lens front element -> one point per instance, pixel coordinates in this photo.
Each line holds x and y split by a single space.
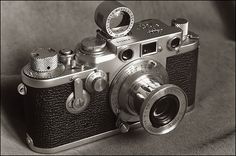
163 109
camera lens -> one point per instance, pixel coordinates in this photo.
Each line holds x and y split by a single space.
164 110
126 55
143 94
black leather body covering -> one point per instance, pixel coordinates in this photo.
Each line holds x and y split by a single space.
49 124
182 71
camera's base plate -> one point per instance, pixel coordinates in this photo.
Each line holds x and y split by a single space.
76 143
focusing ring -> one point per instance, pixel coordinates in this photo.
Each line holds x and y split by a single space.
107 11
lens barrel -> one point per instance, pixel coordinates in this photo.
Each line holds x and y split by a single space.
160 107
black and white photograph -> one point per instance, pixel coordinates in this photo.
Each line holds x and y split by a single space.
118 77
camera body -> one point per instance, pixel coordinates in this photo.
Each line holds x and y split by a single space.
136 74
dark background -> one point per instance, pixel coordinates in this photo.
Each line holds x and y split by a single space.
209 129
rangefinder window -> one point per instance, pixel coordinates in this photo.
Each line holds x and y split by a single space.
149 48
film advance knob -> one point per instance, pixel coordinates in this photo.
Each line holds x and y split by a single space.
182 24
96 81
43 60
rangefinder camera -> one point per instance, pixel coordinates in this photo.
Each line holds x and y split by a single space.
127 76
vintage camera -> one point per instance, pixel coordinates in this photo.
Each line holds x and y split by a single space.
131 74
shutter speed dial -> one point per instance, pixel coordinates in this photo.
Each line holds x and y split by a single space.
96 81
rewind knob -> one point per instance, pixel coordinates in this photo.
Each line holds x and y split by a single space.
43 59
182 24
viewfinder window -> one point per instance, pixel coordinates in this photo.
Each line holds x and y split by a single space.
149 48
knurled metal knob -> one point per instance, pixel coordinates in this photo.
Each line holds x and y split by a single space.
182 24
43 60
66 56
